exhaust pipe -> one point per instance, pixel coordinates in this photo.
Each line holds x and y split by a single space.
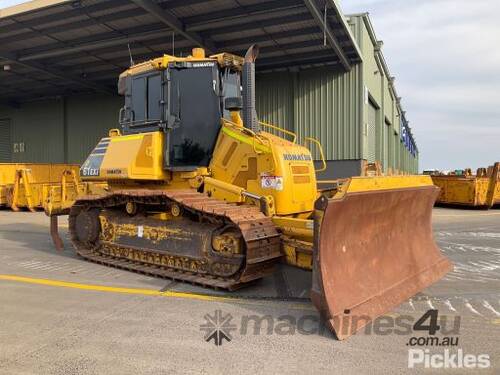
249 112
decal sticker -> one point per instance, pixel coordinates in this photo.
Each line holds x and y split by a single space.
203 64
272 182
115 172
92 166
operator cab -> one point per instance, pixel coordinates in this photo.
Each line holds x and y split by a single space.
184 98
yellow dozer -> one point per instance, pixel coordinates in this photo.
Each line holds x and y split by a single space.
198 193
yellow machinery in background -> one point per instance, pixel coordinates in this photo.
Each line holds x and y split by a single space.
481 190
37 186
194 192
27 185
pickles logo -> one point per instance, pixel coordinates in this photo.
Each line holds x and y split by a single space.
218 327
431 323
448 359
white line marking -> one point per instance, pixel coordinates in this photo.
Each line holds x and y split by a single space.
469 306
34 263
491 308
430 304
450 306
31 262
411 304
40 267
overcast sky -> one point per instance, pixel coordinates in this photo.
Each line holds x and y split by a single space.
446 58
8 3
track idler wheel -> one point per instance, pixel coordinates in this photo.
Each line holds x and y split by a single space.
87 226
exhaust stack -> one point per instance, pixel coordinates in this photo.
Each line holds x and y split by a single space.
249 113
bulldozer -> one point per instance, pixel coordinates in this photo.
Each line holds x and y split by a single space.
199 190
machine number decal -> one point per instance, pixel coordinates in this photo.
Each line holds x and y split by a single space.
272 182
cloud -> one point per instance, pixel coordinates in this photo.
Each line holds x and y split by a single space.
444 55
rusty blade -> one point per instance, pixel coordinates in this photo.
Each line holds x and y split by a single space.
373 250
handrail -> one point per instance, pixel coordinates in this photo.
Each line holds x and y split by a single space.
262 140
322 155
277 128
249 132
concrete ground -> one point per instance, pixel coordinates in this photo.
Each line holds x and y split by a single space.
62 315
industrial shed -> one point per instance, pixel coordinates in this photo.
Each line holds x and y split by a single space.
321 73
357 115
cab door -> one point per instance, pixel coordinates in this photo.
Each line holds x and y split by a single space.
195 102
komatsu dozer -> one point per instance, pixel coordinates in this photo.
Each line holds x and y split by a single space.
199 190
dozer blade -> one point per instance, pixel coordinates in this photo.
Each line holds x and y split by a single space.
373 250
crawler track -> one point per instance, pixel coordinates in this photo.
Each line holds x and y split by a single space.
261 239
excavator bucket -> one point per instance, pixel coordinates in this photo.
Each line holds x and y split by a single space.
374 249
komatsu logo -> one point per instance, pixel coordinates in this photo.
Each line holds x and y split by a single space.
115 171
203 64
297 157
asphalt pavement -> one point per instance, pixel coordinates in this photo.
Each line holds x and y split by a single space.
62 315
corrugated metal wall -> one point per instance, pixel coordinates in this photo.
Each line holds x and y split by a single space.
5 141
326 107
39 127
60 130
84 128
275 99
316 103
373 136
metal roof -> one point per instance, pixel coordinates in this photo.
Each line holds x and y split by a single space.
58 47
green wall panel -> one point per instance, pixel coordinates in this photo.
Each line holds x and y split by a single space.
319 103
39 126
275 99
88 120
327 108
